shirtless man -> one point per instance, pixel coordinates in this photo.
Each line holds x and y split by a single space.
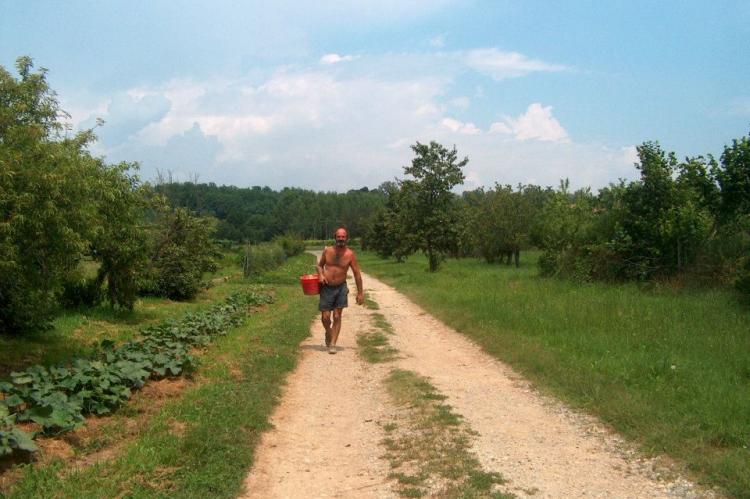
332 268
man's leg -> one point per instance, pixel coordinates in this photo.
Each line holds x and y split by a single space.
325 318
336 329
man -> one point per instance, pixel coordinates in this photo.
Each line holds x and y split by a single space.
332 268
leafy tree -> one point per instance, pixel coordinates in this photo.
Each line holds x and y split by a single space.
182 249
47 198
734 179
384 233
500 222
427 207
120 240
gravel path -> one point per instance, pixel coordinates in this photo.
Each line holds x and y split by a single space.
328 426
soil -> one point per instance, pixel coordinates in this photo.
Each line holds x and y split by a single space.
326 440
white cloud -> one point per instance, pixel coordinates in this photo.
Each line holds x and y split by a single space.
459 103
459 127
437 41
285 127
501 65
630 155
127 113
536 123
335 58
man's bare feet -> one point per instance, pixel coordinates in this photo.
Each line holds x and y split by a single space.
332 349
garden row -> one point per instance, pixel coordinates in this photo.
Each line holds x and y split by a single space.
57 399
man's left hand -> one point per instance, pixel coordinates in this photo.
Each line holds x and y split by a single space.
360 297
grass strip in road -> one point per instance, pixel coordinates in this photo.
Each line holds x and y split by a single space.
669 370
428 445
373 346
201 444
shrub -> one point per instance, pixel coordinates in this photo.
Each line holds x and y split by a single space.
262 257
743 281
182 252
79 291
292 245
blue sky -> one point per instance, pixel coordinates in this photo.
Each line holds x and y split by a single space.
329 95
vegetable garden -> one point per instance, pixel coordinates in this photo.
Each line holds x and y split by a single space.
57 399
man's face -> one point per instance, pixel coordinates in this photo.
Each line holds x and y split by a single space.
340 238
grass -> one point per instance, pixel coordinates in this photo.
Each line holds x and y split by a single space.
670 370
429 448
201 443
373 346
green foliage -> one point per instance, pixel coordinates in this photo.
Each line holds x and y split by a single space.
427 208
291 244
679 218
79 290
734 179
120 240
421 213
181 251
260 258
259 214
743 279
223 416
13 439
44 180
669 370
58 398
57 203
497 223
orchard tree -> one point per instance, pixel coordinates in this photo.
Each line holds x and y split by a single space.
427 209
45 188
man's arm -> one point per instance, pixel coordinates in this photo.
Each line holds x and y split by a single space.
358 280
320 266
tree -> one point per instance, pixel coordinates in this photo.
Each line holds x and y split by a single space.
427 207
48 186
500 223
120 240
182 249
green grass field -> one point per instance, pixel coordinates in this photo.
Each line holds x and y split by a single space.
201 442
669 370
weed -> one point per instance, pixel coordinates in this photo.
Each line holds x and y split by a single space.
431 445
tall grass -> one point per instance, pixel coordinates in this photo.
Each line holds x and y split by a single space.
669 370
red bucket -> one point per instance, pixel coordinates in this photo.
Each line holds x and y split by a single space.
310 284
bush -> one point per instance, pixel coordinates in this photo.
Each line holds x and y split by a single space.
23 306
292 245
262 257
743 281
79 291
182 252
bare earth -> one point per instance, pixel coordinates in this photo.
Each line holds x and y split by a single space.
327 429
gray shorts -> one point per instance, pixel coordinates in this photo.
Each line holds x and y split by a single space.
333 297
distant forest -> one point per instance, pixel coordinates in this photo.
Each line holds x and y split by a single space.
256 214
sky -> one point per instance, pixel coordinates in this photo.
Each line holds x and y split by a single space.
330 95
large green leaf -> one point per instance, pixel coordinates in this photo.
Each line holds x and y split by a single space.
23 440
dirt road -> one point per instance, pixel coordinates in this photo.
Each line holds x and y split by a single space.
327 440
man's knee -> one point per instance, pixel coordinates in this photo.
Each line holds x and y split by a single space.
337 315
326 317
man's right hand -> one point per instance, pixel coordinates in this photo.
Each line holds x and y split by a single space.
323 279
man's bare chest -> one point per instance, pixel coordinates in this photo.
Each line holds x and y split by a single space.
335 259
